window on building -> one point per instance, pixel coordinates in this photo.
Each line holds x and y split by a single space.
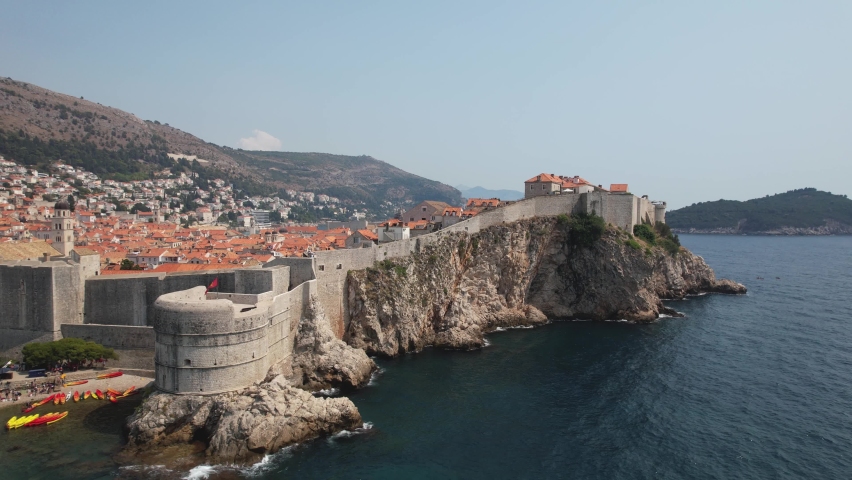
321 268
187 362
339 266
424 208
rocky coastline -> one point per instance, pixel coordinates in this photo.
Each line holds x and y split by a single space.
447 295
515 274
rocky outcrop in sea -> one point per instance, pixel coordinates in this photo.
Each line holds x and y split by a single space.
266 417
236 426
458 289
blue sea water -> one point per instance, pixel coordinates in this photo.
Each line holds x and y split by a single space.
753 387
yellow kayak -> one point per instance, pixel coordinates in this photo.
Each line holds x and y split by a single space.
16 422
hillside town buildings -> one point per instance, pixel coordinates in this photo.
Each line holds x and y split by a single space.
169 223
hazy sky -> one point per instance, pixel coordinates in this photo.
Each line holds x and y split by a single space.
685 101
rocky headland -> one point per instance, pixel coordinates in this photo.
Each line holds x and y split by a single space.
523 273
449 295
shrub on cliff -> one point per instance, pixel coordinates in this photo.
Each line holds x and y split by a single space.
76 350
664 231
584 229
670 246
645 232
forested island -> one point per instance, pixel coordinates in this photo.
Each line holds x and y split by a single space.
805 211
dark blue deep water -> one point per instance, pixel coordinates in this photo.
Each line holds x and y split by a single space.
752 387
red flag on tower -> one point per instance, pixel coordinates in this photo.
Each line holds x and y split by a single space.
213 284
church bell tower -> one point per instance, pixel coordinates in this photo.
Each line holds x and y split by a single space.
62 233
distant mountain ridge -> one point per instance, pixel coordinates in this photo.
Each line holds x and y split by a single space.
39 126
806 211
480 192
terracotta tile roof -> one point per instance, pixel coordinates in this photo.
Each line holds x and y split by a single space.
191 267
26 251
545 178
368 234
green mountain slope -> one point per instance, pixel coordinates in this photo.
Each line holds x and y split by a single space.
39 126
803 209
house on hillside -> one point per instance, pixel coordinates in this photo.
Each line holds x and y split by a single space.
450 216
362 239
426 210
393 230
155 257
552 184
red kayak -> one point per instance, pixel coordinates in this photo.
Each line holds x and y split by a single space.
76 397
99 395
79 382
113 399
110 375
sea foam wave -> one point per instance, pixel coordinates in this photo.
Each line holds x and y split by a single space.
374 376
327 392
365 427
200 472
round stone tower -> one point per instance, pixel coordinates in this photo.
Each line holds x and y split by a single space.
659 212
205 346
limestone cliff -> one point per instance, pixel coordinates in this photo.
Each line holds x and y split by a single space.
463 286
321 360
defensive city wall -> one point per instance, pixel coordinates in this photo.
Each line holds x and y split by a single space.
43 301
205 343
329 268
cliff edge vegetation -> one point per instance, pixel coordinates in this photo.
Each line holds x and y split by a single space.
806 211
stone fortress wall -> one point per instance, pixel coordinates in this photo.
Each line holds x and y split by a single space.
36 298
330 268
208 343
226 340
43 301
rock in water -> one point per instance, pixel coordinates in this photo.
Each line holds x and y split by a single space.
238 426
